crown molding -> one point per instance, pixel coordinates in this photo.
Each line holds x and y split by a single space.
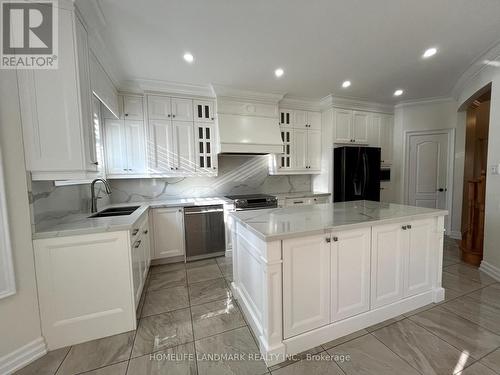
141 86
434 100
295 102
330 101
231 93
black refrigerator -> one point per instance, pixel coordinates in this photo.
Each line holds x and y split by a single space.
356 174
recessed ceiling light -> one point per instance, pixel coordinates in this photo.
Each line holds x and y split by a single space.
398 92
346 84
188 57
279 72
429 52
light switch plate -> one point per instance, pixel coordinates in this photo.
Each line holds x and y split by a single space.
495 169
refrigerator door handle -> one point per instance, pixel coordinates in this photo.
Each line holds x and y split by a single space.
365 174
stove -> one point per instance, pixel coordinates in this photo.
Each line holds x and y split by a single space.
253 201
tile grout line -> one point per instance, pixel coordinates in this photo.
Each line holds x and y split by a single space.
192 325
65 356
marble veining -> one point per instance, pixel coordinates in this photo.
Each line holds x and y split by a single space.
281 223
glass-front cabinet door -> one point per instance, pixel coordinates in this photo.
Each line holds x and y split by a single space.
205 147
285 159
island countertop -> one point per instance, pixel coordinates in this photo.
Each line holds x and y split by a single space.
282 223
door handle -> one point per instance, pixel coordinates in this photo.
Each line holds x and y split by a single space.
442 189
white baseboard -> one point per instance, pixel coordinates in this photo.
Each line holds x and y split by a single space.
455 234
22 356
490 270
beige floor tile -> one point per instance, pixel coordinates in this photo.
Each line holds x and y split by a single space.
321 363
343 339
298 357
46 365
477 369
165 280
117 369
420 309
469 272
492 360
459 283
385 323
165 300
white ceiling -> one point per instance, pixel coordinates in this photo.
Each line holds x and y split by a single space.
377 44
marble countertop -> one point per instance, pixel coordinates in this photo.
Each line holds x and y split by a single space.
282 223
81 223
301 194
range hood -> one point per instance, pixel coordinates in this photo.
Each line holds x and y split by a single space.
248 122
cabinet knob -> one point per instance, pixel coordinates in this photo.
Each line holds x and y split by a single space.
212 118
404 227
145 232
335 239
126 114
95 162
328 239
137 244
173 116
168 115
408 226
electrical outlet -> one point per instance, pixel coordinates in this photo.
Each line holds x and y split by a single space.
495 169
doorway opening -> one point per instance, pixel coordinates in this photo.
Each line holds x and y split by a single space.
475 168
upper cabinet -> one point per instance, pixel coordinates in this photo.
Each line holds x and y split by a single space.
56 109
204 111
301 136
380 131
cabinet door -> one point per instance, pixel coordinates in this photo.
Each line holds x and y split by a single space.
116 154
386 191
168 232
182 109
300 119
160 146
350 273
299 149
314 120
203 111
96 146
314 149
206 154
374 130
343 126
389 244
360 126
183 156
285 159
137 270
306 284
386 140
136 147
133 108
159 107
421 259
286 117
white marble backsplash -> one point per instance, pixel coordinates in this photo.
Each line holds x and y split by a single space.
237 175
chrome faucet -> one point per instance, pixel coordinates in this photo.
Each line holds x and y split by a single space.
93 198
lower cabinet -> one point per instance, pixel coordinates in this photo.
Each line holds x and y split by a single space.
168 232
141 257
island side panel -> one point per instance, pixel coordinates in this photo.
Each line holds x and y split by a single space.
257 284
438 289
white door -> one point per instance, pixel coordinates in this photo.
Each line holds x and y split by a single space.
160 146
386 140
159 107
203 111
428 170
389 245
300 149
314 149
168 232
360 126
182 109
184 159
116 150
136 148
300 119
314 120
350 273
133 108
306 284
343 126
421 259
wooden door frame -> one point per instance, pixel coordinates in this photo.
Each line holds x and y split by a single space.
451 161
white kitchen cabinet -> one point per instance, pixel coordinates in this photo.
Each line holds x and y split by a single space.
182 109
56 110
133 107
306 119
183 156
360 125
314 150
284 160
350 273
386 139
314 120
206 148
137 256
386 192
299 119
300 157
168 232
286 117
136 147
306 294
204 111
343 126
140 255
160 146
374 130
159 107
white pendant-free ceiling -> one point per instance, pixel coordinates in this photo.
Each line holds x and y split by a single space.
376 44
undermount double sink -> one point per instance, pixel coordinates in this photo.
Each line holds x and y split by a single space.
115 211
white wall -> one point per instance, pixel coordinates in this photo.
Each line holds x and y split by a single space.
431 115
19 315
489 74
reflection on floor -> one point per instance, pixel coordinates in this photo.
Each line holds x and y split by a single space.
188 317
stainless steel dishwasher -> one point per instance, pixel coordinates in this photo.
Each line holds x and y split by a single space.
205 231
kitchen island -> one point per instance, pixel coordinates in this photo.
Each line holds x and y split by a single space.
304 276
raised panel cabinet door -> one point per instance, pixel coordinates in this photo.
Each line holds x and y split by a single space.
421 256
343 126
386 139
314 120
286 117
136 146
299 154
300 119
203 111
184 158
133 108
314 149
306 284
136 270
159 107
205 147
182 109
374 130
160 146
168 232
360 126
116 149
389 248
350 273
